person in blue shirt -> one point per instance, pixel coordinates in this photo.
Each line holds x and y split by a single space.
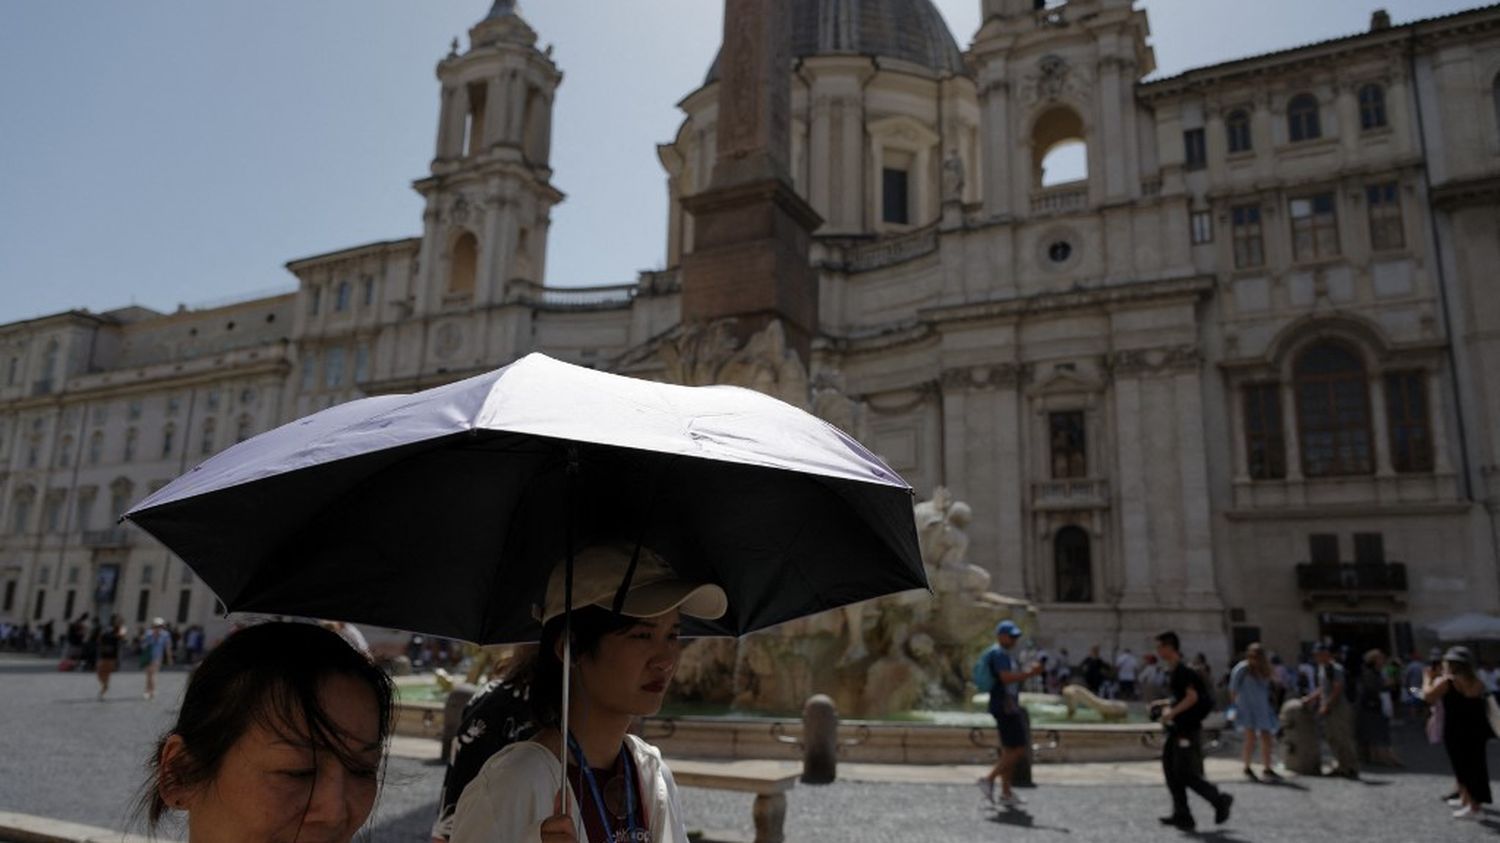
1005 707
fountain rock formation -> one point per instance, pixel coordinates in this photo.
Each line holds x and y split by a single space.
906 651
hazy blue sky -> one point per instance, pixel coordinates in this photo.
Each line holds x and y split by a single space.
166 151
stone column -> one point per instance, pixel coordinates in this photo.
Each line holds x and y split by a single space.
1135 522
1010 521
515 107
1106 157
1289 433
995 140
819 152
1197 517
458 111
1379 429
494 122
1241 447
1437 424
445 124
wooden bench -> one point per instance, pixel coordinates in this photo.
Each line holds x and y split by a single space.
768 780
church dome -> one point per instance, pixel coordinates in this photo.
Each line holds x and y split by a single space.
909 30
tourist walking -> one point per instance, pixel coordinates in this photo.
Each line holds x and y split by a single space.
1466 728
156 648
1092 669
1251 693
1125 669
1182 742
107 652
1373 725
1005 707
281 736
621 665
1330 699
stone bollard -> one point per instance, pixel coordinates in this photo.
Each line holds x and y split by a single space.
1299 739
453 715
820 740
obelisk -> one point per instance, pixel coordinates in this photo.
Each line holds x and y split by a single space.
749 260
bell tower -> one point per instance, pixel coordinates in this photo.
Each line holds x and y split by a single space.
490 194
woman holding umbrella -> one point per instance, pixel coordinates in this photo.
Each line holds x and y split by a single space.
624 651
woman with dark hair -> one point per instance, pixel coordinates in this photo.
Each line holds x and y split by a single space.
622 663
1466 729
107 652
281 736
1372 726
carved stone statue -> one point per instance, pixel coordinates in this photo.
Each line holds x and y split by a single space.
953 178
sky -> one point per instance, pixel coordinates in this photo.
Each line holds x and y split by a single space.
166 152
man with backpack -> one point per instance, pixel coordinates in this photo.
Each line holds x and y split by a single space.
997 672
1182 746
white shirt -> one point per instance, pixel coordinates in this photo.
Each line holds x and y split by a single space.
515 789
1125 667
1491 678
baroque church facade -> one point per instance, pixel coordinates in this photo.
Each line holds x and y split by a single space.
1231 379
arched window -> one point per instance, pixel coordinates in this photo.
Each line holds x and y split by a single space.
1333 411
463 265
1371 107
1237 126
1059 152
1075 572
1302 118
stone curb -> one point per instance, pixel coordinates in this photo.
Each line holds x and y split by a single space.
26 828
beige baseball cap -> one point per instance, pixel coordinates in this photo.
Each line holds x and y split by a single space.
598 571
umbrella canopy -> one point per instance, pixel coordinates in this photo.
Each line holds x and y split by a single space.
444 511
1470 626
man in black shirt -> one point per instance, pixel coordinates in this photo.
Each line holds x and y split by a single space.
1182 748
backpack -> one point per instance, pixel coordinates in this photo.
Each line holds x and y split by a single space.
984 674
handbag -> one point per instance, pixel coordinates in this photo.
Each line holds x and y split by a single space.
1435 723
1492 713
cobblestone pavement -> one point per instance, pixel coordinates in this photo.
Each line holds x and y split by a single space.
64 754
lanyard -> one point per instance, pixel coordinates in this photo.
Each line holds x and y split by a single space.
588 776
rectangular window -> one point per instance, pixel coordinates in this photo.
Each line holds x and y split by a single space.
1249 248
333 370
1265 449
1069 445
314 300
212 399
1406 416
143 605
1195 150
362 364
10 597
1315 231
1238 130
309 372
1384 202
184 601
1202 226
85 511
133 410
1369 549
52 513
68 603
41 603
367 291
895 196
1323 548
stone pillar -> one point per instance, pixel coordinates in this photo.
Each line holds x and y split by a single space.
1289 433
995 140
458 112
819 152
1379 429
1197 518
1107 157
515 106
494 122
445 124
1437 424
1135 524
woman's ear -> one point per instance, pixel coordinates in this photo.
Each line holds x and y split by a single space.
168 784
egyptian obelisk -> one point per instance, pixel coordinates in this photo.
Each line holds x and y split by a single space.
749 262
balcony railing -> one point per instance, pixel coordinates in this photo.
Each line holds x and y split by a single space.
1070 494
1351 577
112 537
1060 200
